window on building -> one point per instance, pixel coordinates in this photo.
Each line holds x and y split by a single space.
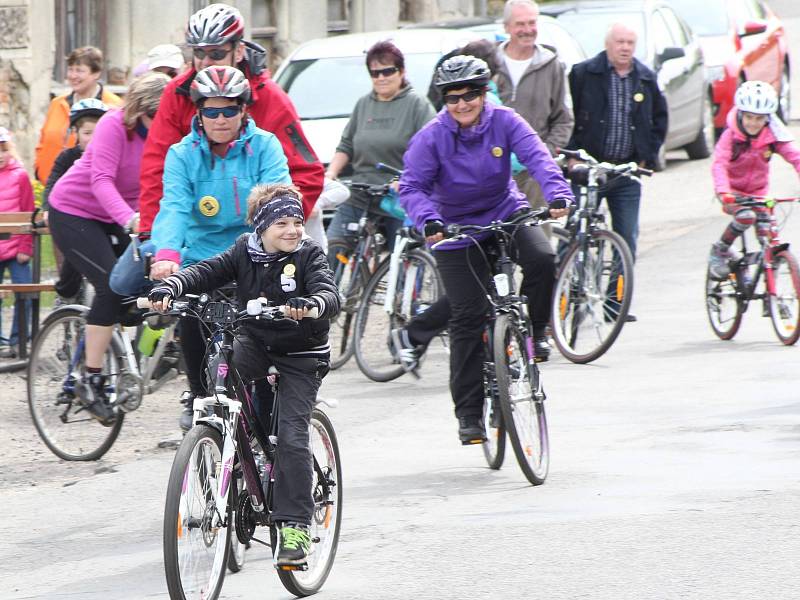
338 16
78 23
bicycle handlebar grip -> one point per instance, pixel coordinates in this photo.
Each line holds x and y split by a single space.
143 303
643 171
389 169
570 153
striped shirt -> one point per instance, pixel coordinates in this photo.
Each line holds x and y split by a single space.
619 137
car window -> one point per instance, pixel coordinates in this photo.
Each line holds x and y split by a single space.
706 17
569 51
590 28
330 87
662 37
678 34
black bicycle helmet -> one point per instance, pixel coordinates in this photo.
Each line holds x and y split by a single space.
460 71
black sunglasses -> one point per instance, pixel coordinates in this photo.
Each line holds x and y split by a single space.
466 97
215 54
225 111
387 72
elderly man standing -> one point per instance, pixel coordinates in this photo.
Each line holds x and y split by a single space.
620 116
531 80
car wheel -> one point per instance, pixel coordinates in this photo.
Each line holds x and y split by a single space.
785 96
661 159
703 144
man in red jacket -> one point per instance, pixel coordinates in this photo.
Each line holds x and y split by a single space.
215 36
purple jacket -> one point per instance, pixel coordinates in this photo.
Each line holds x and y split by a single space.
103 184
464 175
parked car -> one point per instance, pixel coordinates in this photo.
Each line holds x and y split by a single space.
742 40
550 33
325 77
667 45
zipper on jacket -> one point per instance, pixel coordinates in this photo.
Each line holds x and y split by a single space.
236 195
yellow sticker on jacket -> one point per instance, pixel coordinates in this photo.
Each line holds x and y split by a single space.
638 97
497 151
767 154
209 206
289 270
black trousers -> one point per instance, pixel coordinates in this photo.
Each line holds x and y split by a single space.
300 379
92 247
465 274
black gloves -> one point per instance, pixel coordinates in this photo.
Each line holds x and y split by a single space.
433 227
299 303
162 292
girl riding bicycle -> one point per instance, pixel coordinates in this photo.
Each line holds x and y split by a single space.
741 165
274 261
458 170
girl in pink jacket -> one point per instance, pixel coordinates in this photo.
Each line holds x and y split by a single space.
741 164
16 195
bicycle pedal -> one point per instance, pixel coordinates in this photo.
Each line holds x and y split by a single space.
303 567
541 359
473 442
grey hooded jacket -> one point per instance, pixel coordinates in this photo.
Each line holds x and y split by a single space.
540 96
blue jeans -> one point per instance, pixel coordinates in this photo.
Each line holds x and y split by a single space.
19 274
623 196
128 277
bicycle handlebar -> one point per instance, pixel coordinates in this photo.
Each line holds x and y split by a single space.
389 169
256 308
456 231
371 189
627 169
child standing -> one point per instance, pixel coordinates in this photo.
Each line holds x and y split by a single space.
741 164
83 117
274 261
16 195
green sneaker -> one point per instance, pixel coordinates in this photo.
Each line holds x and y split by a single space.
293 544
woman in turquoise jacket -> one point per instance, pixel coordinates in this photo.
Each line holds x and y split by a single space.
207 178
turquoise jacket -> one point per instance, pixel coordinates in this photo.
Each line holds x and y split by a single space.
204 208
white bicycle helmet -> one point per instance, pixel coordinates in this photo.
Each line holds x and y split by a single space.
220 82
756 97
90 107
215 25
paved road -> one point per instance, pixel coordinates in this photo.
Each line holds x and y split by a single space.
674 466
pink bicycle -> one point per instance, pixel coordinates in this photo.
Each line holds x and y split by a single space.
727 300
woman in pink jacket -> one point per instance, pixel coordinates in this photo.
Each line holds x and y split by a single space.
16 195
741 164
91 207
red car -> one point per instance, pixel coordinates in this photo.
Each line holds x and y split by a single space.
742 40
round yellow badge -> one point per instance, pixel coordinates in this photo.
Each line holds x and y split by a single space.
289 270
208 205
638 97
767 154
497 151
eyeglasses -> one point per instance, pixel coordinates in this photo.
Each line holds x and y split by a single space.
387 72
466 97
215 54
226 111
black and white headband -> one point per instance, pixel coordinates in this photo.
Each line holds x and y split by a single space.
278 208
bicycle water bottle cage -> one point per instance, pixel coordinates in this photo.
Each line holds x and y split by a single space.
218 312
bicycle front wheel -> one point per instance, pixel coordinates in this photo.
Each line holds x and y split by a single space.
519 390
494 448
784 304
592 297
417 287
350 281
197 530
327 518
723 307
55 372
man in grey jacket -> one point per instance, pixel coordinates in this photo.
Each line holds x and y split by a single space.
531 80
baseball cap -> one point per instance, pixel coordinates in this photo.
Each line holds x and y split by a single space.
165 55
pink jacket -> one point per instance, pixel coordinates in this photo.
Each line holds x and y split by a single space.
16 195
749 173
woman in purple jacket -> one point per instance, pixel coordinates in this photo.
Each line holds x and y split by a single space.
458 170
92 206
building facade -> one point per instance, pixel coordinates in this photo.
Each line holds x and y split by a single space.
36 36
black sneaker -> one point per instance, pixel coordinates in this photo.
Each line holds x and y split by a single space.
406 352
293 545
96 401
187 416
471 431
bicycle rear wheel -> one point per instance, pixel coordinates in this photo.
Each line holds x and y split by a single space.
784 304
592 297
350 281
327 518
55 371
417 288
196 530
723 307
521 397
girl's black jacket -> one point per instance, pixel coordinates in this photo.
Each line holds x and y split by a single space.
304 272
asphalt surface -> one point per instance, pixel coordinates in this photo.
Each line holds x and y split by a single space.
674 468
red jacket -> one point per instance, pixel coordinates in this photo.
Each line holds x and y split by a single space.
270 108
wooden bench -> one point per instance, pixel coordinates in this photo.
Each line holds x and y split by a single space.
20 223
